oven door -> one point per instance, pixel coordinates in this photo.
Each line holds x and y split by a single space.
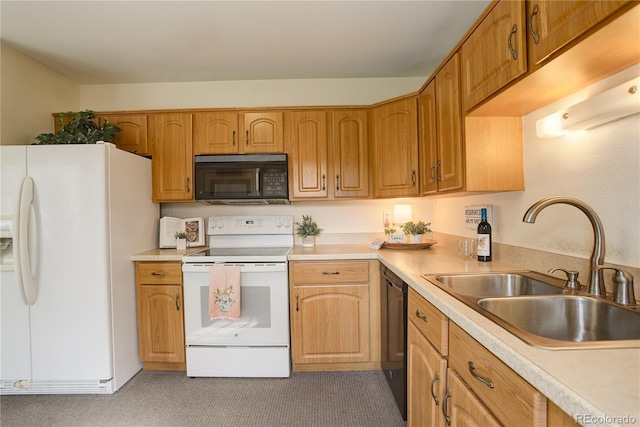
264 303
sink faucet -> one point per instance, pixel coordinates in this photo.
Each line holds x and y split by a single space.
596 280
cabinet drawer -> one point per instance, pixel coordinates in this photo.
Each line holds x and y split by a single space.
159 273
511 399
431 322
314 273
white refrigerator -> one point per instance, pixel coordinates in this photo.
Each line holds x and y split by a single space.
67 300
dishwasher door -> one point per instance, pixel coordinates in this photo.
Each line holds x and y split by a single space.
394 336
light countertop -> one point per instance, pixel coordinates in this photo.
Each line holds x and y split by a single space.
164 254
602 385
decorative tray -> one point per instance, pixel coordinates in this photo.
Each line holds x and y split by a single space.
424 245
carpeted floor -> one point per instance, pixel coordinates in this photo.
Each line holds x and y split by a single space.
331 399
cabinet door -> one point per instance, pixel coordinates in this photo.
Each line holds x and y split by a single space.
449 125
215 133
349 153
133 132
494 54
172 164
553 24
161 323
428 139
307 147
463 407
330 324
262 132
395 148
426 379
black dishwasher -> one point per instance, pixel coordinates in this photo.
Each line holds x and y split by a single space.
394 335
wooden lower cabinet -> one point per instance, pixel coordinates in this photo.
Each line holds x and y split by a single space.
480 389
160 315
426 383
332 306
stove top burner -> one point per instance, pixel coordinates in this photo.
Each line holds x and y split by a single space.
276 254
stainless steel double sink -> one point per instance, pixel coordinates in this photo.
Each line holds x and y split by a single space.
539 310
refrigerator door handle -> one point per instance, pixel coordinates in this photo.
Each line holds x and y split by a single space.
26 202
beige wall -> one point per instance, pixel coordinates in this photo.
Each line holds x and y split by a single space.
29 93
246 93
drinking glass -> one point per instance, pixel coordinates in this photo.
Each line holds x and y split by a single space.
466 248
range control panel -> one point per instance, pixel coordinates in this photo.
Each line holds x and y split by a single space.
239 225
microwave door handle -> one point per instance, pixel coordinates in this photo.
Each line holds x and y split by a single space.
258 193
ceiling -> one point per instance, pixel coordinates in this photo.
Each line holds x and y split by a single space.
117 42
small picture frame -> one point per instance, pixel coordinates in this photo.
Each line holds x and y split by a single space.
195 231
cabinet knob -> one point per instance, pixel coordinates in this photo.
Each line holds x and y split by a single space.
421 316
177 302
159 273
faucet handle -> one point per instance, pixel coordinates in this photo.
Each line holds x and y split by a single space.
572 278
622 285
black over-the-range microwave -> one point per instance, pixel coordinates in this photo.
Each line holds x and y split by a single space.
241 179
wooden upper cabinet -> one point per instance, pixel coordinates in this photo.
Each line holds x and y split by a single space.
395 149
349 153
307 147
230 132
428 138
262 132
494 54
449 119
553 24
172 165
215 133
133 132
440 119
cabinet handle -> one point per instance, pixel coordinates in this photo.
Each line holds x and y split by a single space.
413 177
188 184
514 52
246 139
161 273
233 138
324 179
421 316
536 36
433 382
177 302
330 273
438 170
338 182
433 178
297 300
483 380
446 397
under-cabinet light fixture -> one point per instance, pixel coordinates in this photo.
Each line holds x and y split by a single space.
613 104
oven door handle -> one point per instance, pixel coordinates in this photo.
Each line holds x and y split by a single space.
244 267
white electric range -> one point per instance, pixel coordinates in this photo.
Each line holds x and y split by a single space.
256 344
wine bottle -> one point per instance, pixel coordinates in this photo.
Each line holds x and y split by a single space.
484 238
